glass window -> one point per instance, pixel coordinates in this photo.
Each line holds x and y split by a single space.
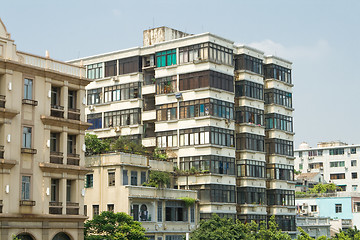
166 58
27 137
95 119
338 208
273 71
95 210
134 178
94 71
353 163
110 68
94 96
122 117
25 188
249 63
354 175
89 180
159 211
125 177
28 89
143 177
130 65
249 89
111 179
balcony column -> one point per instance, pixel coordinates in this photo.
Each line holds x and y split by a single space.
62 194
63 144
64 98
81 95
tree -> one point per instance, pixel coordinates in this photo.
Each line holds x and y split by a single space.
304 235
95 146
158 179
218 228
113 226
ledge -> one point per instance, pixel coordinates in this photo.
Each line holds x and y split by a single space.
52 167
8 113
7 164
61 122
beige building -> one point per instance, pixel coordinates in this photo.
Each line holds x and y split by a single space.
222 112
116 185
41 145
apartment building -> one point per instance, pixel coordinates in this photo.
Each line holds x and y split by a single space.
335 161
116 185
42 127
221 112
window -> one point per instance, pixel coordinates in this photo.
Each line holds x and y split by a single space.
313 208
206 107
69 187
95 210
249 63
125 177
337 164
166 112
122 117
279 97
251 168
166 58
280 122
354 175
122 92
300 154
89 181
206 135
353 150
204 79
249 89
166 139
354 187
337 176
281 197
94 96
336 151
95 119
94 71
249 115
312 153
71 144
279 146
111 179
54 190
27 139
251 195
85 210
134 178
54 142
280 171
142 178
175 211
130 65
353 163
249 141
159 211
166 85
209 163
215 193
273 71
110 207
316 165
55 96
25 188
28 89
285 222
110 68
72 98
338 208
174 237
320 152
301 166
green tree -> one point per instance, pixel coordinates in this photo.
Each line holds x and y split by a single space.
114 226
303 235
95 146
158 179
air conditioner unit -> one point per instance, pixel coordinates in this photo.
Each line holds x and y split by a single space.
117 129
178 95
91 107
115 79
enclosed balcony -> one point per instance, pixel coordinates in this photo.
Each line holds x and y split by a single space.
72 208
73 159
57 111
74 114
56 157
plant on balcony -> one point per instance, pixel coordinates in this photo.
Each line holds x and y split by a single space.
95 146
114 226
160 154
188 201
158 179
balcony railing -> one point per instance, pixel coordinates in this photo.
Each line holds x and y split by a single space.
30 102
55 207
74 114
72 208
27 203
56 157
2 152
73 159
2 101
57 111
28 150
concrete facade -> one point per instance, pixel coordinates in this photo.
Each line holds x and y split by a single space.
41 145
205 102
336 161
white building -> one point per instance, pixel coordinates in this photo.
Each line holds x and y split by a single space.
336 161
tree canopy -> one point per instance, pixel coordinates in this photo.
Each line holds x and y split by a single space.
114 226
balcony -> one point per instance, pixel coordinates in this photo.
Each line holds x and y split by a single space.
73 159
28 150
57 111
56 157
30 102
72 208
27 203
2 101
55 207
1 206
2 152
74 114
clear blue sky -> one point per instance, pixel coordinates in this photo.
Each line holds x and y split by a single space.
320 37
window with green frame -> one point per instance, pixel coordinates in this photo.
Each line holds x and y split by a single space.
166 58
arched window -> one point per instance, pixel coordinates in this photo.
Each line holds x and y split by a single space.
143 213
61 236
25 236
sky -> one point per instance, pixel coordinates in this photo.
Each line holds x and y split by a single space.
320 37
